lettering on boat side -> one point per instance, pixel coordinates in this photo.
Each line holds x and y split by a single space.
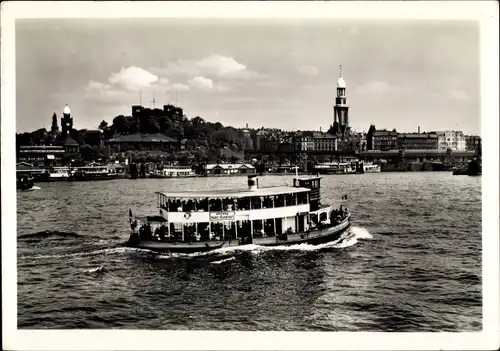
222 216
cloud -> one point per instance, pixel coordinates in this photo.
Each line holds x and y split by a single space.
212 73
221 65
201 83
133 78
309 71
213 66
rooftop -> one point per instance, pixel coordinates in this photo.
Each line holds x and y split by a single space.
229 166
244 192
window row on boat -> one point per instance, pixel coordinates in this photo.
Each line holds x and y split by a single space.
233 204
233 230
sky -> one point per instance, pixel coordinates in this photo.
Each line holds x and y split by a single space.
275 73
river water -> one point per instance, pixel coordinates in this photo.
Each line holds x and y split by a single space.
411 261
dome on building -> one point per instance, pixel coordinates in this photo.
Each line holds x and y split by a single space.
66 110
341 83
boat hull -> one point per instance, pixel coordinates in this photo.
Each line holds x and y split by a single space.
314 237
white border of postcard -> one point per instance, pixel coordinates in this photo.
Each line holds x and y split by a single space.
485 12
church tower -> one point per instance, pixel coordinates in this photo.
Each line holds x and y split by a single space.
55 128
341 110
66 121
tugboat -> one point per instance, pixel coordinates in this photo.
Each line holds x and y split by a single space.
197 221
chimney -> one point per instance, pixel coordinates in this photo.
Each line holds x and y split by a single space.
247 125
320 129
418 129
253 184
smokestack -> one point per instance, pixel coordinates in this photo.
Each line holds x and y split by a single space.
252 183
418 129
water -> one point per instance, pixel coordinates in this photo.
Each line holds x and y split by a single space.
411 262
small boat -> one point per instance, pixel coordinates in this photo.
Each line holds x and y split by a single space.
459 171
59 174
345 165
473 168
197 221
26 184
370 168
173 172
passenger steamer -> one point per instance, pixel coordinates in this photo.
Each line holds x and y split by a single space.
268 216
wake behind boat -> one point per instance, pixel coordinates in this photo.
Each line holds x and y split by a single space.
198 221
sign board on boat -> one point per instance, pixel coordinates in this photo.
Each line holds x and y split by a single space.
222 216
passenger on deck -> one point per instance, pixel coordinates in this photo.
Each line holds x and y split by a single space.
163 232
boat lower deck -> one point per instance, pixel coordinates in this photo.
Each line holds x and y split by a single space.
314 237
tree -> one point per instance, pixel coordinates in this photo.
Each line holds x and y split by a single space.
121 125
197 121
103 125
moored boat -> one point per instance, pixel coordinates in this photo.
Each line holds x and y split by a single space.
26 184
93 171
473 168
196 221
59 173
173 172
370 168
345 166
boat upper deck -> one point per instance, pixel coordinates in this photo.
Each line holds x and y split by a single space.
235 193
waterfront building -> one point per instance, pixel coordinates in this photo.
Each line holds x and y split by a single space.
416 156
229 169
360 142
381 139
340 126
269 143
454 140
472 142
41 155
304 141
324 142
156 142
71 146
417 141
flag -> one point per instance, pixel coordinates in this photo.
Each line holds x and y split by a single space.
344 197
